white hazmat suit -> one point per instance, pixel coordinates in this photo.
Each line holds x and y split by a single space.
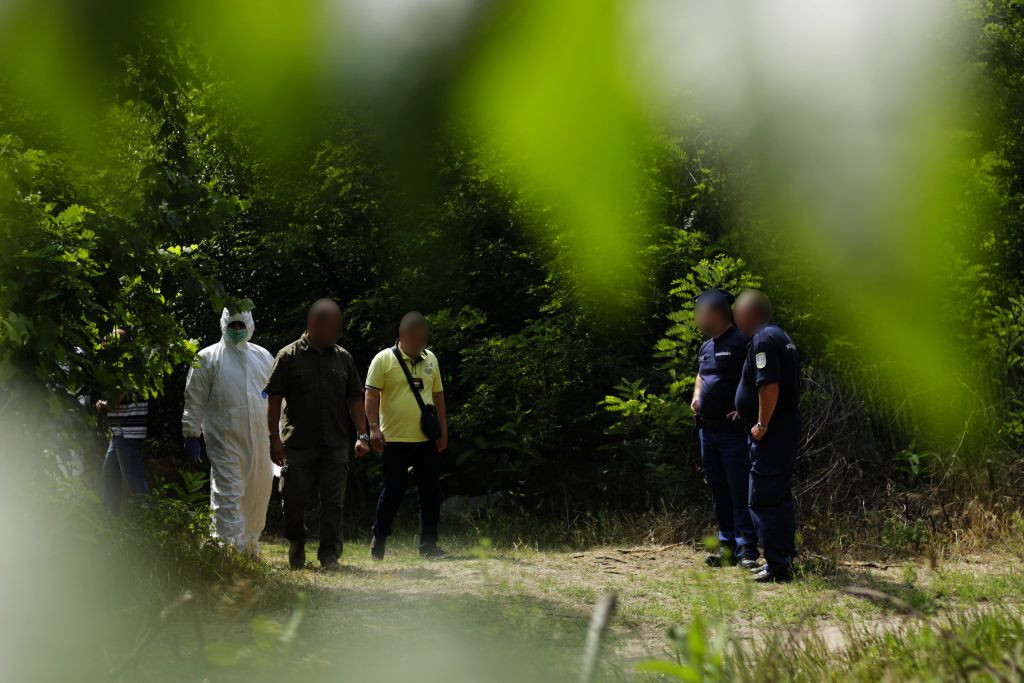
224 401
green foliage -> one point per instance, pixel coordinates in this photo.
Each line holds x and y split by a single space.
100 238
178 516
520 393
159 552
1007 342
160 165
270 643
980 645
167 538
653 423
550 266
700 650
682 339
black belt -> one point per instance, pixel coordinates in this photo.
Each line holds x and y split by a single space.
720 424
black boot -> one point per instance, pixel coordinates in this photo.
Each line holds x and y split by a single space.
767 575
433 552
377 547
725 557
297 555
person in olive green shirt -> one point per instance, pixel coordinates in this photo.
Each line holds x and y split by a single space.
395 430
322 422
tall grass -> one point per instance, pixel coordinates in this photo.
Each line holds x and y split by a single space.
977 645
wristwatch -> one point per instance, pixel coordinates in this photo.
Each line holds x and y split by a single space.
761 427
364 438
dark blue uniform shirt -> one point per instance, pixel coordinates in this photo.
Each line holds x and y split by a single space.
720 362
771 358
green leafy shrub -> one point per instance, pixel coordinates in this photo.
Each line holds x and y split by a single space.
700 653
162 544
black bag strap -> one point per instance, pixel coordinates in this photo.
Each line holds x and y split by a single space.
408 376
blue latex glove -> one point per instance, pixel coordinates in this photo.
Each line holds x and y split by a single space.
192 449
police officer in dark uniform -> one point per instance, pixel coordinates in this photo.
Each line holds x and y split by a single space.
723 441
768 400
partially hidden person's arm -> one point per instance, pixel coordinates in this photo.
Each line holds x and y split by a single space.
276 389
106 406
766 377
437 392
372 414
767 398
358 413
274 415
274 428
695 403
442 416
354 391
374 382
197 394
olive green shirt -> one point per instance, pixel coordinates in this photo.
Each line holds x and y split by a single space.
317 388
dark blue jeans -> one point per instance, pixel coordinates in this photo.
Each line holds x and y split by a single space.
725 457
771 495
425 462
123 462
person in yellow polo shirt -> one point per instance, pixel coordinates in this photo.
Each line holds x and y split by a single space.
396 430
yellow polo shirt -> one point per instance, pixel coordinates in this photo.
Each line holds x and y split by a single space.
399 412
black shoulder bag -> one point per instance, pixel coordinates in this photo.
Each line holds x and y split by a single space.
429 422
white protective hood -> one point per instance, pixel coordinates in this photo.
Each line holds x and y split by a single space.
224 402
226 318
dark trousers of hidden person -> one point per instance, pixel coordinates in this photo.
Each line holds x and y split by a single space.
725 457
771 494
396 460
327 465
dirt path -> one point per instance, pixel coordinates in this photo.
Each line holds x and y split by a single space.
541 601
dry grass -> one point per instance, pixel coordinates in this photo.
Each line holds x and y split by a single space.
551 592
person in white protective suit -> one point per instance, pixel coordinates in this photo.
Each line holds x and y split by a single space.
224 401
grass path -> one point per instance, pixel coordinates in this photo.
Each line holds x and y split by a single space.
540 601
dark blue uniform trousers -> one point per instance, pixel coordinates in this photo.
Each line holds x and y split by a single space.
771 495
725 457
425 462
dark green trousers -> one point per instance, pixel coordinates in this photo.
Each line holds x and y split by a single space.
309 469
